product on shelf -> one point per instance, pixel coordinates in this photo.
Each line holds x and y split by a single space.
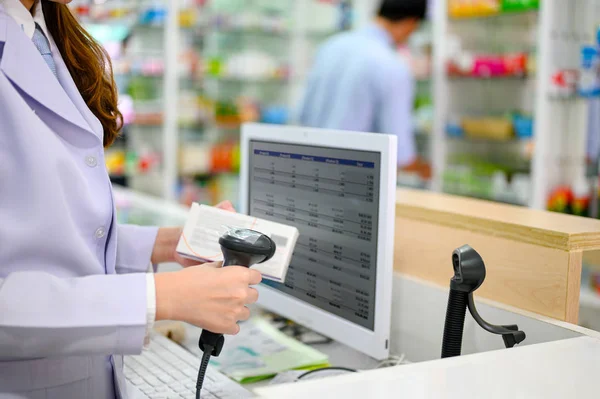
142 88
488 128
120 162
115 162
523 126
488 65
574 200
274 114
585 81
520 5
155 15
594 281
564 82
148 119
204 158
231 114
209 189
472 8
188 17
502 128
589 81
249 22
411 180
487 182
248 65
222 157
480 8
195 159
560 199
423 118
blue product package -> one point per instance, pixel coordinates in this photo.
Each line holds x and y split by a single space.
454 130
589 84
523 126
277 115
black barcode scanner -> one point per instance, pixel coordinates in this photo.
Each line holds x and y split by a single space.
240 247
469 274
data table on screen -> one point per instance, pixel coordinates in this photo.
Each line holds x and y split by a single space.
331 197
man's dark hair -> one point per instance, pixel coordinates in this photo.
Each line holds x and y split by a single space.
397 10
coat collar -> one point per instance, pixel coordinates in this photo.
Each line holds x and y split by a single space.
66 81
24 66
22 16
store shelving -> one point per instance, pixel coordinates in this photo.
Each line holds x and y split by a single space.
545 91
182 91
485 87
255 55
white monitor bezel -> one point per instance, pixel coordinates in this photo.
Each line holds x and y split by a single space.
373 343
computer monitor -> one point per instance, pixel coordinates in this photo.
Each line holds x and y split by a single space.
339 189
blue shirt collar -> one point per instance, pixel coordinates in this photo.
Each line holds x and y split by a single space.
377 32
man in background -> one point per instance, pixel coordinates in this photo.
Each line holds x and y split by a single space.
360 83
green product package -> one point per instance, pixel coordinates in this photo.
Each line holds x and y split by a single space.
519 5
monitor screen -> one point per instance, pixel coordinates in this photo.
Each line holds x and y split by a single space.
332 197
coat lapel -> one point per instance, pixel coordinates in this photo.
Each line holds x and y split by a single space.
66 81
24 66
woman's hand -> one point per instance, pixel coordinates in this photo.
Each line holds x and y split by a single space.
207 296
167 239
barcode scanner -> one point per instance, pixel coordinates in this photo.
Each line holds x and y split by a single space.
240 247
469 275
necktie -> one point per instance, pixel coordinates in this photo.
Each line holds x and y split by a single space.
43 45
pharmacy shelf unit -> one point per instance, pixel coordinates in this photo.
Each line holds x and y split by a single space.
552 37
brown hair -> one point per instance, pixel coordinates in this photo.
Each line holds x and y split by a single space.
89 66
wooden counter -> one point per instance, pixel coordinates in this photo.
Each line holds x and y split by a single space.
533 258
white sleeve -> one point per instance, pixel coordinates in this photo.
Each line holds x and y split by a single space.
151 307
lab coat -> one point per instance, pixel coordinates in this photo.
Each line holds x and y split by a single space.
72 281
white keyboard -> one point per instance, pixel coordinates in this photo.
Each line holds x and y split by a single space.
165 370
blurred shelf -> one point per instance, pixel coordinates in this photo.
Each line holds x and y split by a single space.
128 175
566 97
257 31
511 142
206 174
484 197
495 15
502 78
589 298
412 180
134 25
224 126
322 35
260 31
194 127
147 120
241 80
133 75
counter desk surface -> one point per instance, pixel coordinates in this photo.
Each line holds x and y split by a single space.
556 370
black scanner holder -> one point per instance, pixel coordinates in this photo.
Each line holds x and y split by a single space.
240 247
469 274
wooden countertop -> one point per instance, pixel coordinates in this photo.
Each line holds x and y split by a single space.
537 227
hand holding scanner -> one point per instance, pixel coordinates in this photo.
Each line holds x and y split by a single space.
240 247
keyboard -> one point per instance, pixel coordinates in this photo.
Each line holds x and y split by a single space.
165 370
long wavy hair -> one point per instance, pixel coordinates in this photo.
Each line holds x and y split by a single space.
89 66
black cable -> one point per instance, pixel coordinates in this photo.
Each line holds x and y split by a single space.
327 369
455 323
202 370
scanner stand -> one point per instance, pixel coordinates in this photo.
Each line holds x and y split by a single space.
510 333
